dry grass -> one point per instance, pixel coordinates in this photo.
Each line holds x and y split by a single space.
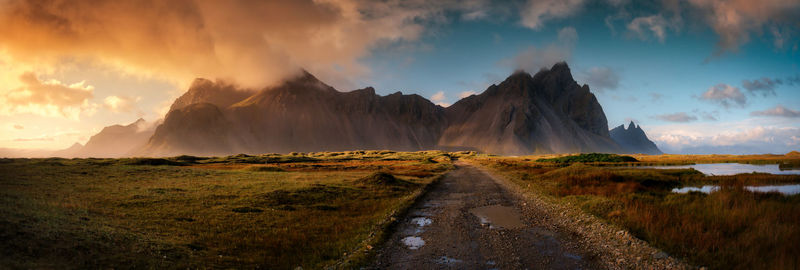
217 212
729 229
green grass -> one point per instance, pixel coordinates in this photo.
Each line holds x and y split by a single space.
729 229
592 157
270 211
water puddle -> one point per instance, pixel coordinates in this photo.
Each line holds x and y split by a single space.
498 216
421 221
446 260
729 168
413 242
783 189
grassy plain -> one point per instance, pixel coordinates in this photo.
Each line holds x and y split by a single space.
729 229
268 211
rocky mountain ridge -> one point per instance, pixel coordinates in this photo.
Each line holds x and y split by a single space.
547 112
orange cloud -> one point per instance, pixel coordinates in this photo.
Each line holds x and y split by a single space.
254 43
49 98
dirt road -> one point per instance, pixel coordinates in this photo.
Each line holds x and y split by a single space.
470 221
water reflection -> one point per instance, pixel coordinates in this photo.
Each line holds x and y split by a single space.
729 168
783 189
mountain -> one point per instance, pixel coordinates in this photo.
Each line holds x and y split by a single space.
219 94
303 114
72 151
112 142
634 140
545 113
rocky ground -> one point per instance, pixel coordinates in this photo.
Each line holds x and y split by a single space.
474 220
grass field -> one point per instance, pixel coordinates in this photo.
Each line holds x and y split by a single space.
729 229
270 211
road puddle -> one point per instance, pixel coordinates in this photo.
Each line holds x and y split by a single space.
421 221
413 242
447 260
498 216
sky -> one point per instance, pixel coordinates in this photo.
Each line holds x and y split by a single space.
699 76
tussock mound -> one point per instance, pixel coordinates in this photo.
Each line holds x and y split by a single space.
382 179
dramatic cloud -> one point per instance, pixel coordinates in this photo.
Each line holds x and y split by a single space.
601 78
735 20
680 117
778 111
466 94
254 43
120 104
725 95
532 58
643 27
536 12
765 86
48 98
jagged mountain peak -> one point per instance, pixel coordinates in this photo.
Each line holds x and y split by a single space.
634 140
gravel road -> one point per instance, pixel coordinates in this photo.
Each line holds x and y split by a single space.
474 220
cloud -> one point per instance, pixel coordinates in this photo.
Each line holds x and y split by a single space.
765 86
644 26
466 94
438 98
536 12
686 139
254 43
35 139
681 117
725 95
735 20
533 58
709 116
601 78
47 98
792 80
120 103
18 126
777 111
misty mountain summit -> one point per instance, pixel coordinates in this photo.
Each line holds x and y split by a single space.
548 112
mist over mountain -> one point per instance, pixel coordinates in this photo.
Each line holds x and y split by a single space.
113 141
525 114
634 140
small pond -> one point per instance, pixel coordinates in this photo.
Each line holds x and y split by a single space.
729 168
783 189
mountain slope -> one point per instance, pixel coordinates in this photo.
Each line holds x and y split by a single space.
545 113
634 140
302 114
112 142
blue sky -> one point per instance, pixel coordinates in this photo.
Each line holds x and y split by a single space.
700 76
660 82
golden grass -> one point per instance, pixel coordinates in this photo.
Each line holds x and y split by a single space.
216 212
729 229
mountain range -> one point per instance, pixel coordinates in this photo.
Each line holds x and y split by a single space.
547 112
634 140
